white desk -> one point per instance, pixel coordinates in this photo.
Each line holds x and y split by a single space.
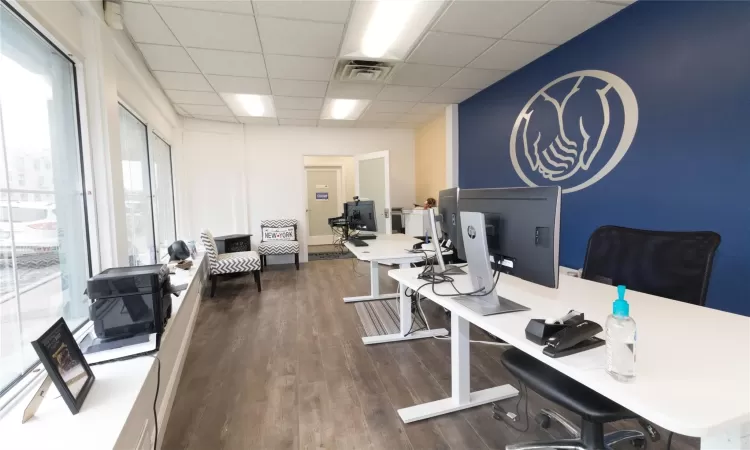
391 249
693 363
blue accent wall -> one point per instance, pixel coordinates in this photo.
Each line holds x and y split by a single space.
688 167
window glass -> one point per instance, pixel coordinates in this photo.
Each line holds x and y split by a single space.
163 196
44 251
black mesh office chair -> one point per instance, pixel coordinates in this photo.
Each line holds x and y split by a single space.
674 265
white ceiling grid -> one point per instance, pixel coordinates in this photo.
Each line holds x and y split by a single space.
290 48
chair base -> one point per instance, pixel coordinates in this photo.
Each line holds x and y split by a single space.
214 279
591 438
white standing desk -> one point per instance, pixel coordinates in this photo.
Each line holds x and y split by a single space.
692 368
391 249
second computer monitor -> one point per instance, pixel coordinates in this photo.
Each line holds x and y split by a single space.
450 220
523 229
360 215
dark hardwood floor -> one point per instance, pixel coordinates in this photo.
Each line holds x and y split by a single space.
286 369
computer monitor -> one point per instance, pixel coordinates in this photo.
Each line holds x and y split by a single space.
360 215
450 220
436 238
522 227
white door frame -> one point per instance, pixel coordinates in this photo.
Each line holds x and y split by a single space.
385 154
340 180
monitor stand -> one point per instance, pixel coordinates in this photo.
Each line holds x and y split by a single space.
449 270
489 304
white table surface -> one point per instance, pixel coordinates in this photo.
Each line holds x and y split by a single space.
390 247
693 363
105 410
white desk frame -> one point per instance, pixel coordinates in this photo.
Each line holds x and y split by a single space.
390 249
689 381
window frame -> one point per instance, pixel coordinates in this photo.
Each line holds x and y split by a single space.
171 182
9 392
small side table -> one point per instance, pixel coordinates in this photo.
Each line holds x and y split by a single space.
232 243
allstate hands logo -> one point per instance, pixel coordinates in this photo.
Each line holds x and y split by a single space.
574 131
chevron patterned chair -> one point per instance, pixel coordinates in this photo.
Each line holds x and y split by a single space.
278 237
228 263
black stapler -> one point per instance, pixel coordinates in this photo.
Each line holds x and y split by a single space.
573 339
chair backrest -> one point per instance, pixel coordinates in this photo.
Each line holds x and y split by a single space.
211 251
669 264
276 223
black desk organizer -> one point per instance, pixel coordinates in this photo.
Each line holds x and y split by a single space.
538 332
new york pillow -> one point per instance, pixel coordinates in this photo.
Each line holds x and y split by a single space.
278 234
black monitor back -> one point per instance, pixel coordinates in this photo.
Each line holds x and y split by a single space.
523 228
450 220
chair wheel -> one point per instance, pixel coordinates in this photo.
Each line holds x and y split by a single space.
638 442
543 420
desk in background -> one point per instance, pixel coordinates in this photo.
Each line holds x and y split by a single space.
693 363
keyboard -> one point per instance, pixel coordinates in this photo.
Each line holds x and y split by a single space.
358 242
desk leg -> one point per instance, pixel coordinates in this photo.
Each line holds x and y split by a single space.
374 287
737 437
461 395
404 323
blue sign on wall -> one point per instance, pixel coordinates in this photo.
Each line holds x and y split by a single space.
643 121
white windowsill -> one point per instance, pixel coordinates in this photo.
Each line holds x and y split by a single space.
106 408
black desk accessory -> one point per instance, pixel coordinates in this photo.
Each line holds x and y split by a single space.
233 243
66 367
357 242
539 330
574 339
367 237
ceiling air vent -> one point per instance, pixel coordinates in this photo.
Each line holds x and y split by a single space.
365 71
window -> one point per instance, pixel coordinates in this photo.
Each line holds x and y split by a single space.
137 183
44 251
163 195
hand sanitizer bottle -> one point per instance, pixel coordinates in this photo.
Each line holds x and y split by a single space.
620 335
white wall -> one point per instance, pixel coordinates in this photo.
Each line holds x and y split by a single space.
273 174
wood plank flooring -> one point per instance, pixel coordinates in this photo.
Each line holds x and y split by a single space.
286 369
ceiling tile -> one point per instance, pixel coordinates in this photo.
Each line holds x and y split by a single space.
297 114
298 122
390 107
299 67
449 49
475 78
374 124
416 118
180 111
267 121
422 75
299 88
404 93
145 26
183 81
371 116
216 118
206 110
172 59
194 98
298 103
215 30
341 89
428 108
449 95
510 55
239 85
337 123
300 38
232 6
485 18
323 11
558 22
220 62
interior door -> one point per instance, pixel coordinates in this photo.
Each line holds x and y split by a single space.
323 186
372 182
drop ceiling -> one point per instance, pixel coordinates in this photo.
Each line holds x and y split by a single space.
290 49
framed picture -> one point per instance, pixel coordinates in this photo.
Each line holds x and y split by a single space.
67 368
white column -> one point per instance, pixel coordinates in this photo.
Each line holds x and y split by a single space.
460 360
451 146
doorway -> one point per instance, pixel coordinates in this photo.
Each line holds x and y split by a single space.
324 200
373 183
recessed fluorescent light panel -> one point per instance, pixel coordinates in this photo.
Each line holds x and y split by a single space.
244 105
387 29
343 108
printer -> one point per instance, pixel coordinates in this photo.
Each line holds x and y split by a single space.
130 301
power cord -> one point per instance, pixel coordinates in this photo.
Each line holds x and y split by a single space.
156 396
499 413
